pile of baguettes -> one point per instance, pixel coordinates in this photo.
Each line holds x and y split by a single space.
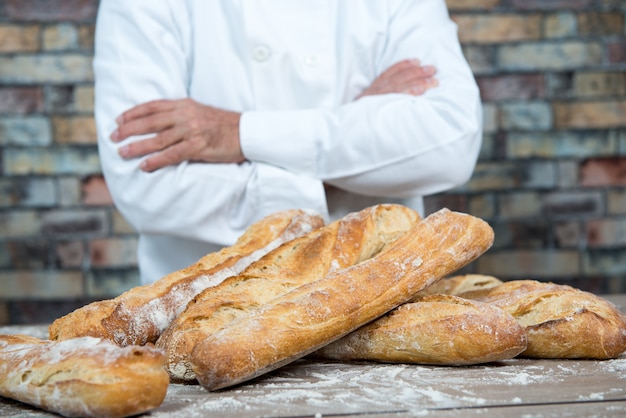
370 286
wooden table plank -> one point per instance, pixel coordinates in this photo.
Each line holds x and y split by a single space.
515 387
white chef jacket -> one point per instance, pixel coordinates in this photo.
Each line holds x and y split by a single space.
293 68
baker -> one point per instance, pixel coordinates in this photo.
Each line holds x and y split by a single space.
212 114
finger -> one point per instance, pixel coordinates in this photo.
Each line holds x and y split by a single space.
172 155
421 87
400 67
414 74
151 145
145 109
405 75
149 124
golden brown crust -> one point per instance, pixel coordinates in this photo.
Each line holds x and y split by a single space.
315 314
85 376
560 321
139 315
456 285
356 237
435 330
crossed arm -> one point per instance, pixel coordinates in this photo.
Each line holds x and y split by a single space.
185 130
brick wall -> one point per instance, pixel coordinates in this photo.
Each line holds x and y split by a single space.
551 177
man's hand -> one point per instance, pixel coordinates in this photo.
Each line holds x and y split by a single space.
407 76
185 131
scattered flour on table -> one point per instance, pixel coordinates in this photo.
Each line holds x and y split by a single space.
616 365
307 387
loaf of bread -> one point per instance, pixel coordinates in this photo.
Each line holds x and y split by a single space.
345 242
560 321
139 315
318 313
434 330
456 285
86 377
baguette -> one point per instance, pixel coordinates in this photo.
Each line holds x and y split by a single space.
440 330
88 377
460 284
347 241
139 315
561 322
315 314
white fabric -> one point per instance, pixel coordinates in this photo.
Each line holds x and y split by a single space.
294 68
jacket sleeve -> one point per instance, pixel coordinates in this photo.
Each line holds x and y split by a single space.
142 54
393 145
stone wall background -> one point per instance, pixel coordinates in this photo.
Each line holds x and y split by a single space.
551 177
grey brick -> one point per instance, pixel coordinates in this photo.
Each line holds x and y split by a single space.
561 144
73 223
35 69
530 116
47 161
40 284
106 283
573 204
549 56
25 131
27 192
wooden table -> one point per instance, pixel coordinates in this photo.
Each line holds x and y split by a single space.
512 388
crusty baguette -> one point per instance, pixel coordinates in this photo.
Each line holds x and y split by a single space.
437 329
456 285
560 321
315 314
139 315
347 241
87 377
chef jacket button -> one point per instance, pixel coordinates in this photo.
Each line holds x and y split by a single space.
261 53
311 60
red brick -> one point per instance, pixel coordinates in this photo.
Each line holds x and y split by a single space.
606 233
617 52
607 171
113 252
21 100
95 192
550 4
507 87
51 10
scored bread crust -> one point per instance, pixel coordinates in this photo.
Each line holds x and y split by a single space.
87 377
437 329
139 315
315 314
560 321
347 241
458 284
